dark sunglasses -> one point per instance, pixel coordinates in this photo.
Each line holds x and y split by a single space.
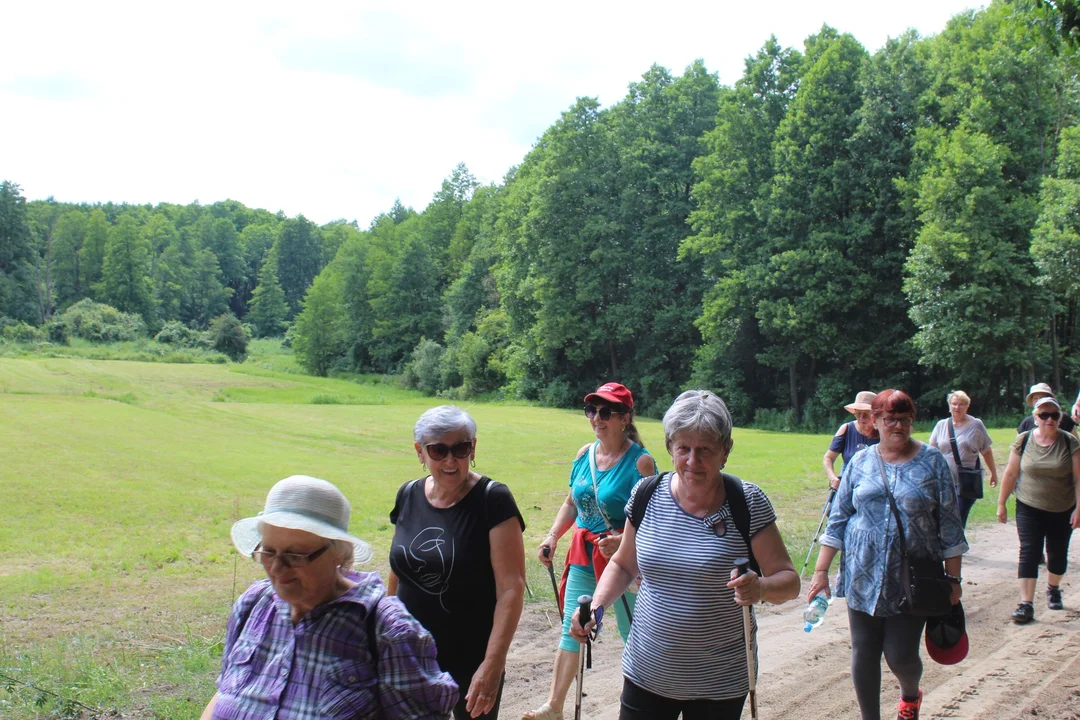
603 411
1049 415
289 560
439 451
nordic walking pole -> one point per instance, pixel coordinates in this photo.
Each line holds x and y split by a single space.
554 585
584 615
743 564
824 517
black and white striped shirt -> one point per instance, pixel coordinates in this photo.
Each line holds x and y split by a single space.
686 641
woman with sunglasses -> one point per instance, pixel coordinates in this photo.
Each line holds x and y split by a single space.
317 640
863 525
603 474
851 437
972 443
458 559
1047 503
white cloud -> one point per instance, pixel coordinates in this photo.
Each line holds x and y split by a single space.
335 109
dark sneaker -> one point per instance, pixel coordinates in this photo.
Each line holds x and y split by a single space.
908 710
1053 598
1024 613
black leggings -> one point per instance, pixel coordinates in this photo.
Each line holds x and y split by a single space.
898 637
640 704
1036 527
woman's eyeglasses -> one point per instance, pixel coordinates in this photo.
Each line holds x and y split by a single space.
603 411
289 560
903 421
1049 415
439 451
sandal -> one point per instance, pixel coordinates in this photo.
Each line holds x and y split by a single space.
544 712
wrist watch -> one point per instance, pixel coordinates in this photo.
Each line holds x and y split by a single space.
954 579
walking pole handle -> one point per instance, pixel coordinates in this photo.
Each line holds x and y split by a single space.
584 609
743 565
546 549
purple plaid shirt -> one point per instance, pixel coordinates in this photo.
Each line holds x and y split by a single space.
322 667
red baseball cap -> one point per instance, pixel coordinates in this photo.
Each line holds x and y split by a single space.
613 392
946 636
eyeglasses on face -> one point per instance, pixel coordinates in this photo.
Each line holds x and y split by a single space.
862 414
603 411
902 421
439 451
289 560
1049 415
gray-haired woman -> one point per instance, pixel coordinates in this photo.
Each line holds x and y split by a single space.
458 559
686 652
316 640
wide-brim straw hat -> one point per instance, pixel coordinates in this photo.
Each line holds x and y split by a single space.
862 401
1038 388
303 503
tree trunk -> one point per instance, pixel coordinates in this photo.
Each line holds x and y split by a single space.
1054 353
793 380
614 362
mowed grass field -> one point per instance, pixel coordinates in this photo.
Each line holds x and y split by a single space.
120 480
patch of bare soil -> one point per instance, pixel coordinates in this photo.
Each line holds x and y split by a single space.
1011 671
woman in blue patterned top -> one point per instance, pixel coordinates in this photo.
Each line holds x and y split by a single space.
604 473
862 525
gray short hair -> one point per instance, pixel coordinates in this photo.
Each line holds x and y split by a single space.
698 411
439 421
344 550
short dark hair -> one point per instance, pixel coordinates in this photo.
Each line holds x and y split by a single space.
897 402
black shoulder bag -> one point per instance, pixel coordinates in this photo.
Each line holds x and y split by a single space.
926 591
969 482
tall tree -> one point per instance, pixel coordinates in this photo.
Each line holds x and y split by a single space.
299 252
67 244
92 253
17 299
125 275
268 308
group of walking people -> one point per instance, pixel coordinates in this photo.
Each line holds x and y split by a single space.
317 639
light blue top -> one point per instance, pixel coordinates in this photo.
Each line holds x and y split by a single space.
614 485
863 526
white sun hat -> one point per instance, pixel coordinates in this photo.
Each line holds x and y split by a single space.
303 503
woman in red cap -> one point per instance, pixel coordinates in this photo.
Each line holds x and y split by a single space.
604 473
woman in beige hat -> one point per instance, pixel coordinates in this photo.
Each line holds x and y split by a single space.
852 436
315 639
1037 392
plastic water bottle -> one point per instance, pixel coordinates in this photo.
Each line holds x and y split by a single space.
815 612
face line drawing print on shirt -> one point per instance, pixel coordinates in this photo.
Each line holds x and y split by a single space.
425 544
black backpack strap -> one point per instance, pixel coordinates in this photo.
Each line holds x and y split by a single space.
642 496
740 513
1024 442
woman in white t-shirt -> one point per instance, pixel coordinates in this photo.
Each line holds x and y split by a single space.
972 441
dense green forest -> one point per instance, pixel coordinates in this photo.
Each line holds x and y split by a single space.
836 220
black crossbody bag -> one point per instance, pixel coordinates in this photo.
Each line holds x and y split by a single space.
926 591
969 482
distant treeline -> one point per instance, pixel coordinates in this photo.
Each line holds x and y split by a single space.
835 221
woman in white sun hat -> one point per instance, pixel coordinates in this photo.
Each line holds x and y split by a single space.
317 639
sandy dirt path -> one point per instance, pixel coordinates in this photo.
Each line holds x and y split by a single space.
1011 671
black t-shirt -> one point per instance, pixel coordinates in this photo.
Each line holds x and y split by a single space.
1066 425
442 557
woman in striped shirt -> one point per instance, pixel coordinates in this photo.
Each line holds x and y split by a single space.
686 652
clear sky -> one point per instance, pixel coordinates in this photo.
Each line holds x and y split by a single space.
334 109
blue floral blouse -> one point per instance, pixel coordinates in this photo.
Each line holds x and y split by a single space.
862 525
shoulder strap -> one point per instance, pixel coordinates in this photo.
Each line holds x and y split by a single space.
895 511
1024 442
487 502
740 513
956 449
596 489
642 496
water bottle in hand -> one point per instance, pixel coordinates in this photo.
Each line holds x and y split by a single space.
815 612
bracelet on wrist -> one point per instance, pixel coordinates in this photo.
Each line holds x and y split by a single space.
824 571
954 579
